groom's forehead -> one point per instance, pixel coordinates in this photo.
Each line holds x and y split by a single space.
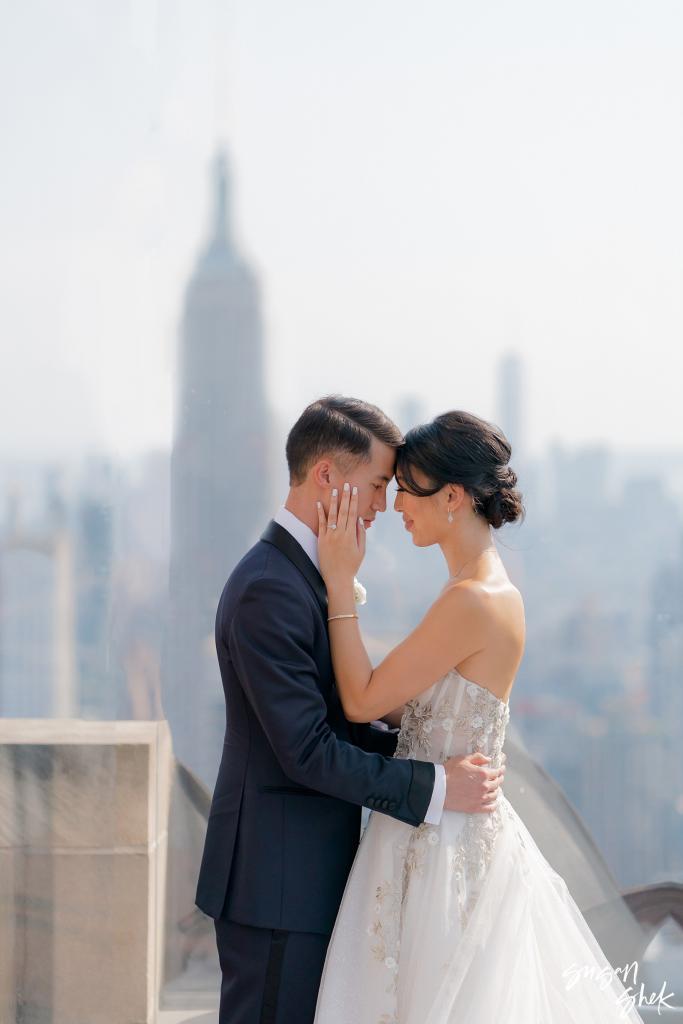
379 474
382 461
382 467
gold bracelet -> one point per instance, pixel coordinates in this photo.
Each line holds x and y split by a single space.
354 615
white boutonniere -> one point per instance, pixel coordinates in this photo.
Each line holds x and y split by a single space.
360 594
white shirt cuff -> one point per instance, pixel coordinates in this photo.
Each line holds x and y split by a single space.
435 809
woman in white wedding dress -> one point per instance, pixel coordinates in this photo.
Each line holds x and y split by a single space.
464 922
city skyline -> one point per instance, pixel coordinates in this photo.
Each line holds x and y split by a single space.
415 201
214 214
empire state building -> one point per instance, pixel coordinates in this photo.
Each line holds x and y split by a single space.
219 496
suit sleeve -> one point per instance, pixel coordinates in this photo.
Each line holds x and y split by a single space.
270 642
370 737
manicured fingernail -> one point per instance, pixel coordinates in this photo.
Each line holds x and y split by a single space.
354 491
334 492
318 504
346 487
360 520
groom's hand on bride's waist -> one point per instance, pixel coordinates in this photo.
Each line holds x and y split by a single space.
472 786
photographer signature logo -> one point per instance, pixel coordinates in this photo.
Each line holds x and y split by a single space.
633 993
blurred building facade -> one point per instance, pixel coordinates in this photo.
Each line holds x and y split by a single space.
219 474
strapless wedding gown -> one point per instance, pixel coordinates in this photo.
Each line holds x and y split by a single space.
465 922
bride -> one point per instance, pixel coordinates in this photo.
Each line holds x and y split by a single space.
464 921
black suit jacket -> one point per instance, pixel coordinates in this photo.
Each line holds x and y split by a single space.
284 822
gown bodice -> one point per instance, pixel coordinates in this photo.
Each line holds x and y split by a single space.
454 716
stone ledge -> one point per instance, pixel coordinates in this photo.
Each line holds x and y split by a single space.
83 853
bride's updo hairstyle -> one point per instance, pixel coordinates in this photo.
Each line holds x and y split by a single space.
460 448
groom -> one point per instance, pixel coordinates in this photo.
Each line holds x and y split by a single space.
284 823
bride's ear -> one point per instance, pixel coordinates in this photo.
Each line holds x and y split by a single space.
454 494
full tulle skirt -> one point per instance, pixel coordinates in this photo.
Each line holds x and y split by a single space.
463 923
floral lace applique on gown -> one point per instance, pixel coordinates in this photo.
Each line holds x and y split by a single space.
466 920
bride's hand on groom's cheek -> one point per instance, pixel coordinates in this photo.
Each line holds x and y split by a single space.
341 535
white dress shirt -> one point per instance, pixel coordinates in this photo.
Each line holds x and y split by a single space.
304 535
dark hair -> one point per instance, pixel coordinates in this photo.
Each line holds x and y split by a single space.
460 448
337 426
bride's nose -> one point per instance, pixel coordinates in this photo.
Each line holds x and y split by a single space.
397 504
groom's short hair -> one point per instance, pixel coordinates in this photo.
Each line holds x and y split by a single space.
339 427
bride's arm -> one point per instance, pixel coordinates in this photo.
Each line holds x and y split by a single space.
451 631
453 628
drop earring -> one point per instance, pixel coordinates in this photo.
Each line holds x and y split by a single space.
450 516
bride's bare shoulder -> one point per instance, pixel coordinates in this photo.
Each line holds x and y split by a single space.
483 590
497 602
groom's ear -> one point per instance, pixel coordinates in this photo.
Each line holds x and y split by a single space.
321 473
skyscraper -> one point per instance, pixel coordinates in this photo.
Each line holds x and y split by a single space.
218 475
510 403
100 690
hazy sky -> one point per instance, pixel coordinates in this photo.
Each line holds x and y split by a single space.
420 186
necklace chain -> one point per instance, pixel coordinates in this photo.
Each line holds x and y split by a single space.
455 575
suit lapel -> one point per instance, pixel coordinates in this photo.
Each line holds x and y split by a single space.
282 539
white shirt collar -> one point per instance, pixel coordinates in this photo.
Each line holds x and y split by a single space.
301 532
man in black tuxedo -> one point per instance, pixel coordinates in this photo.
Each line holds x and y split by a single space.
284 823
